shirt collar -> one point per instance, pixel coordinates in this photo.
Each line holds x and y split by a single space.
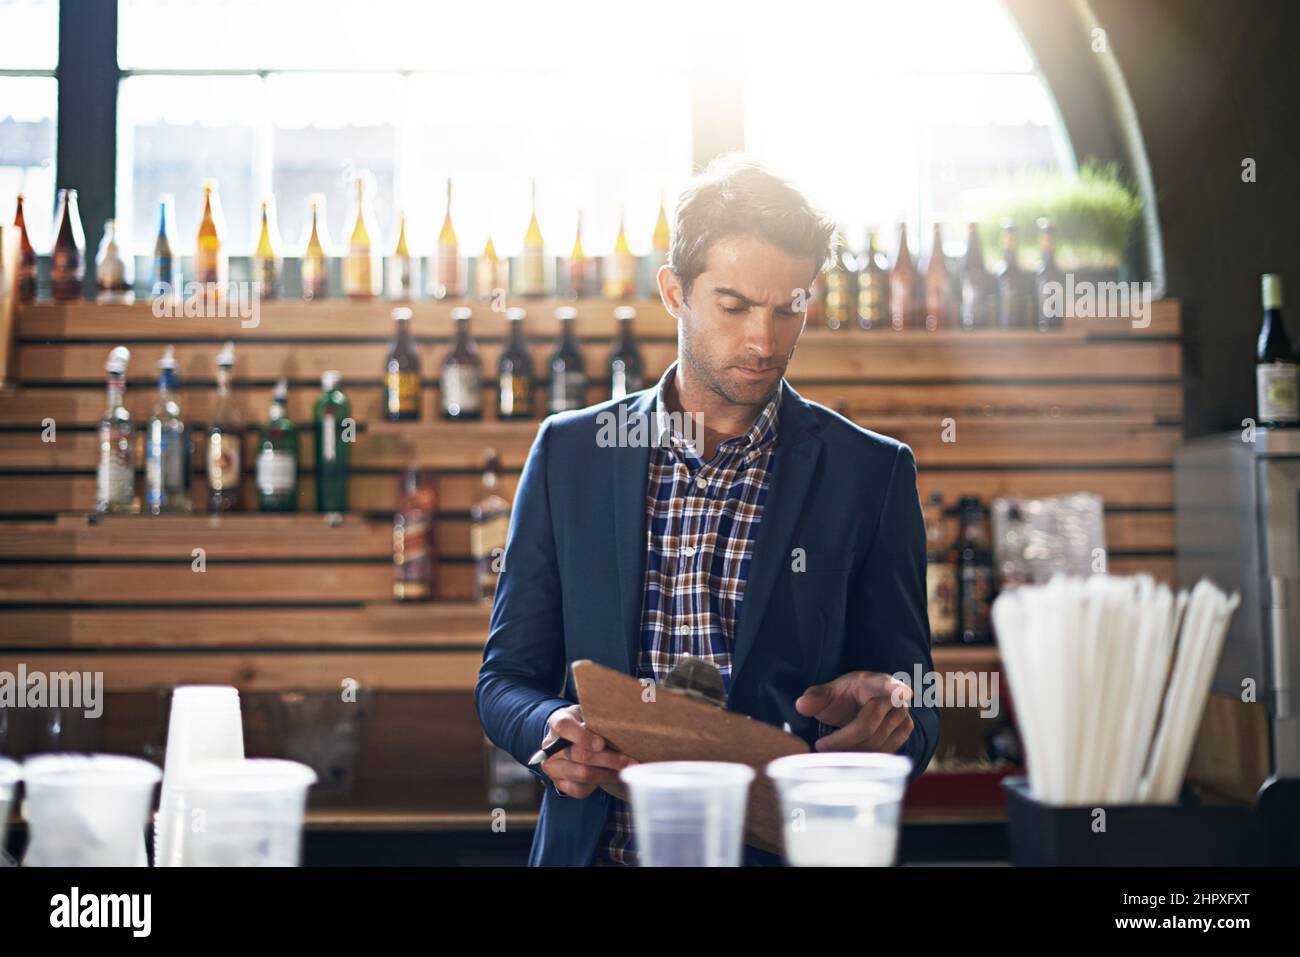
760 436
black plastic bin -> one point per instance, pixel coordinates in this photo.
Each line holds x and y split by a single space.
1136 835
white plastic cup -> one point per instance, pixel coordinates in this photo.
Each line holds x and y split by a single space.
688 813
205 725
841 809
87 810
246 813
11 773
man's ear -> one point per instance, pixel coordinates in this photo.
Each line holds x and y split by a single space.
671 291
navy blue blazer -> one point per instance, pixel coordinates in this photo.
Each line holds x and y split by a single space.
571 586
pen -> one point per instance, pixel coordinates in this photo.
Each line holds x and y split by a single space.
556 746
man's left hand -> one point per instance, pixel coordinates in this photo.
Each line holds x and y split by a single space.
861 704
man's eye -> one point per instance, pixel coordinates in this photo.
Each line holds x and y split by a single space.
734 310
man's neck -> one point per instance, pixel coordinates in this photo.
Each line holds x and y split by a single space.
721 420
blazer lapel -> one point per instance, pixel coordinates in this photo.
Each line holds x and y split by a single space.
630 473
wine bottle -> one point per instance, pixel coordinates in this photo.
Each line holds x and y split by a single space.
315 256
515 372
114 272
902 286
115 477
873 288
979 303
166 272
211 258
975 581
488 532
940 575
27 263
277 456
414 542
661 239
626 369
333 426
1275 365
1048 287
363 266
841 286
225 441
532 280
451 279
268 262
68 266
940 309
462 372
568 381
1015 286
620 267
579 274
402 372
402 279
489 273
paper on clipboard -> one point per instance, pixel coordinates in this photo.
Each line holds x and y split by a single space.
670 726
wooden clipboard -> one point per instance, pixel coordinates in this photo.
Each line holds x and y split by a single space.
659 724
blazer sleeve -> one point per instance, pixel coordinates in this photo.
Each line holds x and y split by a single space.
888 618
522 677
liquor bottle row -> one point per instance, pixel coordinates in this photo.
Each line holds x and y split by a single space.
864 291
363 258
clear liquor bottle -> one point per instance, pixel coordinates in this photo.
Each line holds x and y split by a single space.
225 441
167 445
115 478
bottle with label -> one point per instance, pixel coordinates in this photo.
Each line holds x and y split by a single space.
515 372
841 286
114 273
626 369
975 575
568 379
902 286
363 266
661 239
579 272
873 287
1049 295
334 432
167 445
940 305
225 440
1015 286
402 372
403 270
268 262
489 274
166 271
1275 365
979 301
620 267
462 372
488 531
450 282
532 262
940 575
27 263
115 478
414 544
316 253
277 456
211 259
68 259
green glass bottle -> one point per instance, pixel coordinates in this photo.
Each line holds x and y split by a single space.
277 457
334 433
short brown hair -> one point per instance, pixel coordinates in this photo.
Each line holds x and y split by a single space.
736 196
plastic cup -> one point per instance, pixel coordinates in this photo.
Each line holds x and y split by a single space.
246 813
688 813
841 809
205 725
87 810
11 773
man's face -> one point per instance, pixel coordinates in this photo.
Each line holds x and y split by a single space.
741 325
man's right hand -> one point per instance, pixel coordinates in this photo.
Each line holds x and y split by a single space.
588 763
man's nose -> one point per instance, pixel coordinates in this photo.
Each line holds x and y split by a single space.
760 333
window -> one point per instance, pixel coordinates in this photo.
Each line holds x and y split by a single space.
28 105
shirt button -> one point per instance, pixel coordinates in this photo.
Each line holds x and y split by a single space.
688 550
684 630
701 484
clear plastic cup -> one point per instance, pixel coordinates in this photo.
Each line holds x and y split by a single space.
841 809
688 813
205 725
87 810
11 773
246 813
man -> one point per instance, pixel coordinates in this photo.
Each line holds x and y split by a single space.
788 550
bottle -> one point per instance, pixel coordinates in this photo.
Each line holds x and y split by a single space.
1049 297
661 239
363 266
115 479
68 265
940 308
26 272
268 263
211 259
1275 366
975 576
315 256
902 285
626 370
451 280
620 267
579 274
225 441
414 544
841 286
1015 286
332 416
402 280
488 531
462 372
114 273
979 303
515 372
277 457
568 385
402 372
166 274
873 287
167 445
533 261
940 575
489 273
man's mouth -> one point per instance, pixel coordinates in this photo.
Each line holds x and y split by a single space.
749 373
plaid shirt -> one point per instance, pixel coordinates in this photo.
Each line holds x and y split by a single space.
703 520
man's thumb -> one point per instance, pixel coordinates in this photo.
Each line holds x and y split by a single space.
813 700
